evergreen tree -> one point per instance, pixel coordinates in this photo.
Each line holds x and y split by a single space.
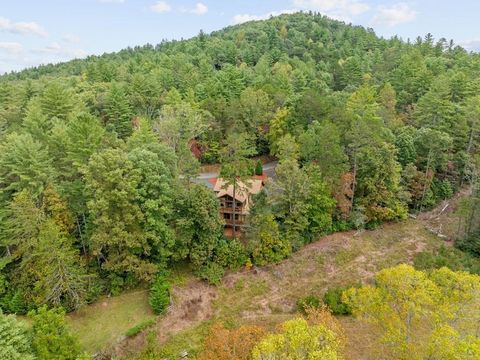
118 240
24 165
56 101
51 338
14 339
118 112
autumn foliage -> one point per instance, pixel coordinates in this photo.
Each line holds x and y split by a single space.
235 344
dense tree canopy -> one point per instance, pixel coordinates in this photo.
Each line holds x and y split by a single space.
98 157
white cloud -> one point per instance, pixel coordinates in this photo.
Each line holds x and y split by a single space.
200 9
161 7
11 47
471 45
21 27
394 15
59 51
241 18
337 9
71 38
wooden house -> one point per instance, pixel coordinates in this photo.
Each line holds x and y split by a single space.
243 200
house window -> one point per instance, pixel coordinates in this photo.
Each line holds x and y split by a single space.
226 216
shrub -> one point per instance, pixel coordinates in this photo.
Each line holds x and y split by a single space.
230 254
333 299
452 258
137 329
258 168
308 302
13 302
442 189
470 244
211 272
51 336
159 297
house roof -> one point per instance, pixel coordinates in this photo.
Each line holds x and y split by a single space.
243 189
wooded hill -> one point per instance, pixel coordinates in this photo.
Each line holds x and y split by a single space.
96 168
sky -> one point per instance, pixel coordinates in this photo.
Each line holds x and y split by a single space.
49 31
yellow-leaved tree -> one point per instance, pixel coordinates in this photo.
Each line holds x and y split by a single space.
422 315
298 340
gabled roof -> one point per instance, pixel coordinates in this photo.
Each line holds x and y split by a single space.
242 190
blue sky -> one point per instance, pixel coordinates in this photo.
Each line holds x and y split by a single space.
42 31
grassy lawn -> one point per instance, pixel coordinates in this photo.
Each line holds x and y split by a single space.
107 321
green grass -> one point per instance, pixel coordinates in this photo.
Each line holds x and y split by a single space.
108 320
137 329
190 340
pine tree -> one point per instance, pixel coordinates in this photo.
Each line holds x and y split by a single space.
14 339
51 338
118 111
56 101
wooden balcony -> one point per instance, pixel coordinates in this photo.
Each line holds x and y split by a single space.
240 211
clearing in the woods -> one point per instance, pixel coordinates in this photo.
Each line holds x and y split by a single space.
265 296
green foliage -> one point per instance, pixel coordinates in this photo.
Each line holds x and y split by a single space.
159 296
51 338
13 301
198 225
118 112
137 329
450 257
24 164
360 135
211 272
266 243
258 168
308 302
333 299
230 254
15 342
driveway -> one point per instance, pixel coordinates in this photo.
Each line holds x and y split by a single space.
203 178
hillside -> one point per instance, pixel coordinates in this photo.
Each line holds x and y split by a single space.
100 192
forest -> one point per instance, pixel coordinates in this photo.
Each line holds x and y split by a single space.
98 190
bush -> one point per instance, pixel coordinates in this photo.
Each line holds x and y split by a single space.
452 258
442 189
470 244
159 297
307 302
211 272
230 254
258 168
13 302
333 299
137 329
